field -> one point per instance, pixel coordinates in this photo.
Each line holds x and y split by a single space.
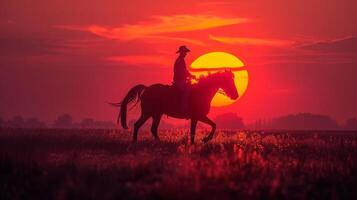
104 164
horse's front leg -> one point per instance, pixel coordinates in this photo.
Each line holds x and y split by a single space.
206 120
193 130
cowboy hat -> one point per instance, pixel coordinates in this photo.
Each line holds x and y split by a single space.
182 49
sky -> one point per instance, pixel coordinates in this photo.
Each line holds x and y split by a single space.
64 56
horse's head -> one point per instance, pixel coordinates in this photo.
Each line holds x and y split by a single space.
221 80
226 83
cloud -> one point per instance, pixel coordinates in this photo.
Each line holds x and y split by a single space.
165 24
250 41
157 39
160 27
343 45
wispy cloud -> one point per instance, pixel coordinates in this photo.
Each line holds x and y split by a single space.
250 41
342 45
115 34
165 24
160 28
161 39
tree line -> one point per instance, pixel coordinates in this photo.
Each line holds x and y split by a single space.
62 121
299 121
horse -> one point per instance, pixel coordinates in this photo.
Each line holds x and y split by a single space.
158 99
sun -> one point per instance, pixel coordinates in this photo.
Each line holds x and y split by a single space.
216 61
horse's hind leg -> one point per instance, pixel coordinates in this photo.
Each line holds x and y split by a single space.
155 124
138 124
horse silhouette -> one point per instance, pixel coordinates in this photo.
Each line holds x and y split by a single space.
158 99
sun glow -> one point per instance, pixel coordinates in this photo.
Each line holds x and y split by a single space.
215 61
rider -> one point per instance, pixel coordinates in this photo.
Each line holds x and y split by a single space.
182 76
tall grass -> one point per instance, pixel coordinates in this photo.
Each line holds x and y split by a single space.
105 164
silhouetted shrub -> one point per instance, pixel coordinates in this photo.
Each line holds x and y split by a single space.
16 122
63 121
229 121
351 124
305 121
34 123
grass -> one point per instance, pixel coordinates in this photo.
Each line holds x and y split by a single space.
104 164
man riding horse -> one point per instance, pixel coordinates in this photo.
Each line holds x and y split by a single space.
158 99
182 77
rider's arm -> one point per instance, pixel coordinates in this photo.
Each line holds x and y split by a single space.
189 75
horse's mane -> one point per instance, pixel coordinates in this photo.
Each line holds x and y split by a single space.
215 77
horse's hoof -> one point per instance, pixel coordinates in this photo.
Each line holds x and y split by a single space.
206 139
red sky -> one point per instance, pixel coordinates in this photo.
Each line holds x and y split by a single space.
64 56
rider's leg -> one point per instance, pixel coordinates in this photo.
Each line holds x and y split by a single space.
183 104
185 97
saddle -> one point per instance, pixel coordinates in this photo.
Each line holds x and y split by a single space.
180 97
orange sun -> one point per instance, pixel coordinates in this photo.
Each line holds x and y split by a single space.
215 61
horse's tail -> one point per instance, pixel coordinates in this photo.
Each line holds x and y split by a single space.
134 93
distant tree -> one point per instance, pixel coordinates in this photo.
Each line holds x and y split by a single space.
16 122
87 123
305 121
63 121
34 123
229 121
351 124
